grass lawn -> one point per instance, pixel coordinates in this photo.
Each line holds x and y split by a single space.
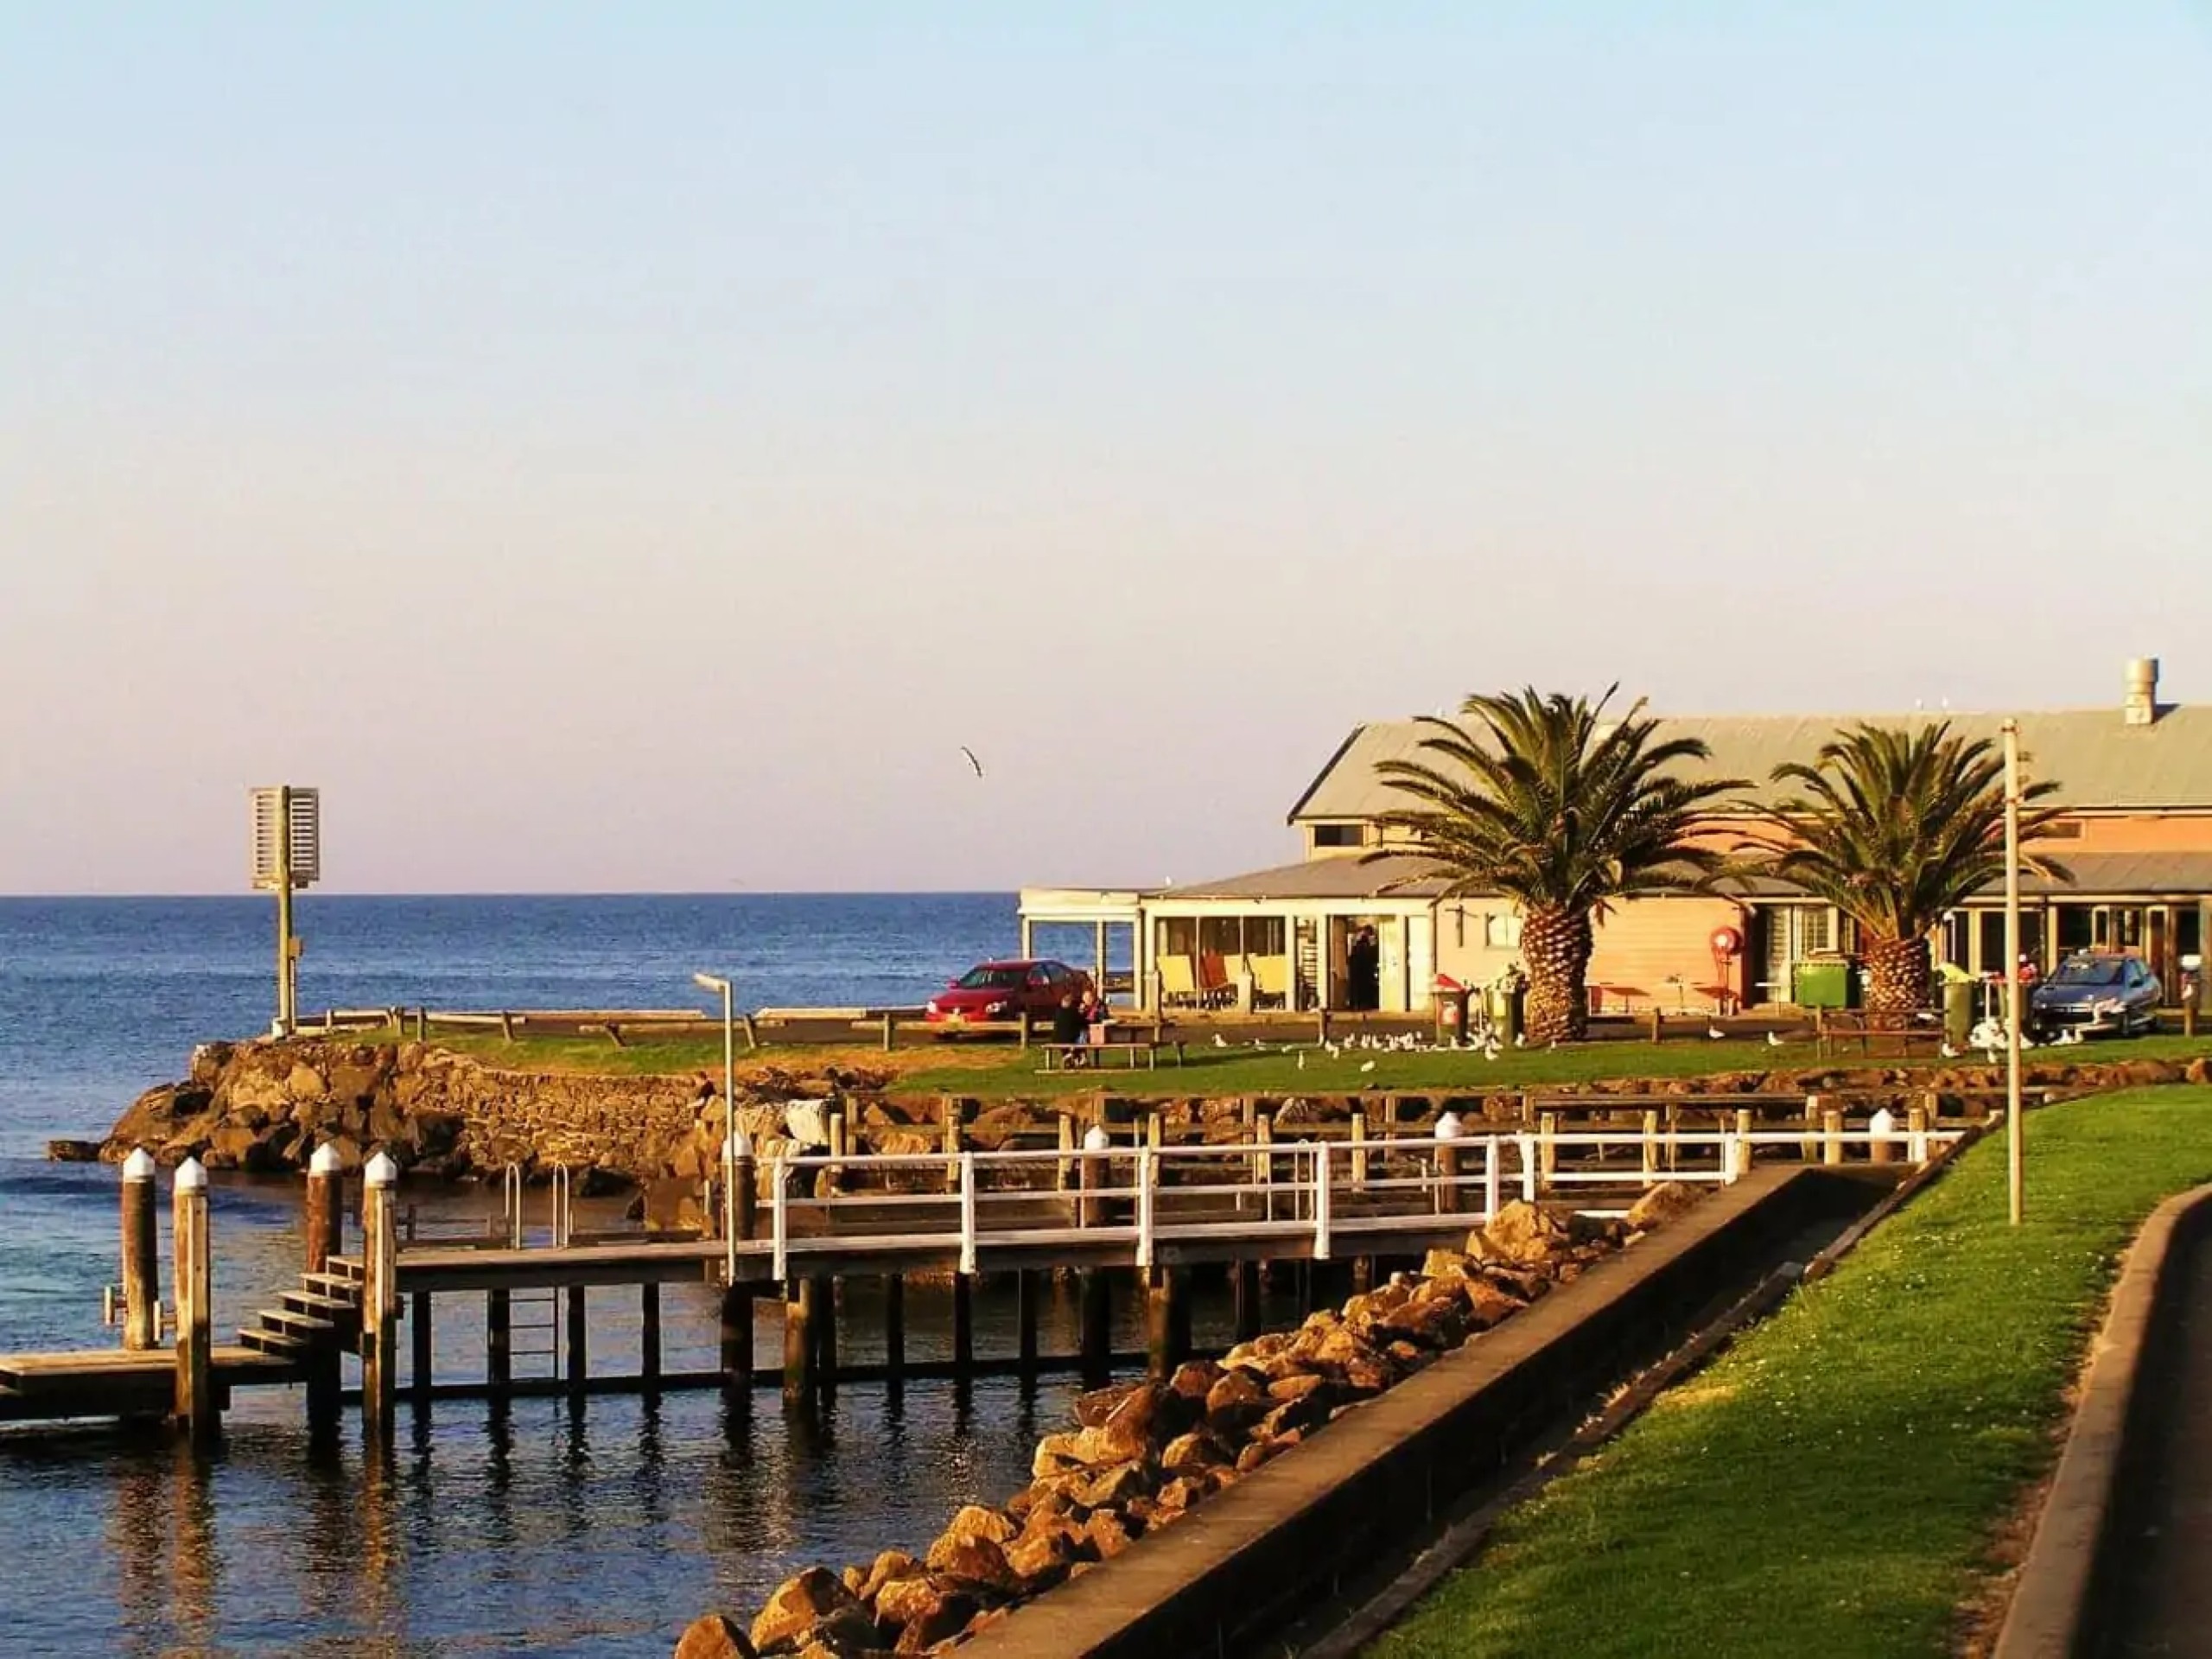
1833 1485
1001 1068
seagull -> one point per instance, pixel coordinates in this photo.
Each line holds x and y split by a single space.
1333 1050
1715 1032
1220 1041
1773 1039
1369 1066
1947 1052
1301 1060
972 760
1490 1051
1520 1040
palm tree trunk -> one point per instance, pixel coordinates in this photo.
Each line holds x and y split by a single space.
1897 975
1556 944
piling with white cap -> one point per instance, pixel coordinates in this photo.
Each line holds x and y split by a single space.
1449 1128
142 1255
380 1297
1881 1125
195 1291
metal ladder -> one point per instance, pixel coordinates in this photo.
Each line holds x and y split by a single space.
534 1323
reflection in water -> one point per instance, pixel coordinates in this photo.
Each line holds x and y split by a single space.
137 1533
197 1567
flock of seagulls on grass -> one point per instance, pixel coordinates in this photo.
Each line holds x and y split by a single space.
1481 1039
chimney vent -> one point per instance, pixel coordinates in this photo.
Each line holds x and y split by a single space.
2141 708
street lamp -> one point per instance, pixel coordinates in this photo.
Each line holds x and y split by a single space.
2015 1156
715 983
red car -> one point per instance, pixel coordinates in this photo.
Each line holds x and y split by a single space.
1006 990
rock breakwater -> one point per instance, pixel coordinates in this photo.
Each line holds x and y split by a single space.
1142 1455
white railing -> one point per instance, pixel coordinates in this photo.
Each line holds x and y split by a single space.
1284 1188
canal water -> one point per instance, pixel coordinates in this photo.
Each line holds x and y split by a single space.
535 1529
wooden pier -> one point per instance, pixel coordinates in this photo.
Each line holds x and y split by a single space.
1133 1217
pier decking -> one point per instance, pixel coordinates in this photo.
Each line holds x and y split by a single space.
1139 1211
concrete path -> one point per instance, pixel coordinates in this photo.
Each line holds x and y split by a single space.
2160 1599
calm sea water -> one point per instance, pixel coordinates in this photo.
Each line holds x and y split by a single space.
598 1532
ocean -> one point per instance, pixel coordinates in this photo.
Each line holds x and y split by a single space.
602 1530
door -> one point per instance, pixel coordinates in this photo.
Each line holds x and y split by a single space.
1421 961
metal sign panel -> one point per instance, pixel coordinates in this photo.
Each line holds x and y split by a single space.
306 836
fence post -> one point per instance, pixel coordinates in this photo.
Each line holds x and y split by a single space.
1915 1119
1831 1136
1881 1126
1530 1175
1650 1146
1546 1153
1091 1171
1492 1176
1263 1163
1808 1149
142 1263
1064 1171
195 1276
955 1114
1359 1149
1744 1148
1320 1199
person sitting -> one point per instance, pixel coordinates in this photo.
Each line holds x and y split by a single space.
1095 1012
1068 1027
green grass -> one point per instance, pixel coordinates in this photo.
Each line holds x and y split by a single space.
999 1070
1833 1485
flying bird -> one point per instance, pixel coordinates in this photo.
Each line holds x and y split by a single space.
972 760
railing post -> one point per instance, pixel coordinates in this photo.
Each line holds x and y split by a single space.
380 1297
1147 1166
1360 1148
1064 1171
1744 1143
195 1285
780 1221
1263 1162
1492 1179
1728 1164
1917 1129
1546 1148
142 1263
1832 1136
1091 1174
1651 1142
1526 1144
967 1212
1321 1149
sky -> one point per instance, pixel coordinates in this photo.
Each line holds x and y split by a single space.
614 449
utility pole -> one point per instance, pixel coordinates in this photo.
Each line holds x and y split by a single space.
2015 992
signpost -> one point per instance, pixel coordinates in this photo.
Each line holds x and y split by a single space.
718 983
287 855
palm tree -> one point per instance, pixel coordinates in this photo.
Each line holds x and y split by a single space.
1538 798
1896 828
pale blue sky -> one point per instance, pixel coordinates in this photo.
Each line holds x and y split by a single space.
631 448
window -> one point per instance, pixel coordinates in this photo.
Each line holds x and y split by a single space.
1502 931
1340 834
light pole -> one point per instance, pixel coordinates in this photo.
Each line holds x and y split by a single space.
714 983
2014 1144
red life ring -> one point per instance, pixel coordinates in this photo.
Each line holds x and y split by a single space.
1726 942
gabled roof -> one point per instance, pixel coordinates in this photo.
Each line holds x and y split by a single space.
2096 758
1399 876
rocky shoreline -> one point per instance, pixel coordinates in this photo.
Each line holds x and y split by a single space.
1142 1455
265 1105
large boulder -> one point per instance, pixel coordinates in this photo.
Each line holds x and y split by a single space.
714 1636
1521 1232
976 1565
799 1604
924 1610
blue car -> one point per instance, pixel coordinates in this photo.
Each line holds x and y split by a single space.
2095 994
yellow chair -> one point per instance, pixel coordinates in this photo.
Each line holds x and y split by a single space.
1270 980
1179 983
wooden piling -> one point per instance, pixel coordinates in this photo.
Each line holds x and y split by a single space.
963 1325
380 1297
894 1329
798 1341
955 1115
1831 1136
499 1342
824 1325
418 1352
141 1259
1547 1150
1744 1148
1651 1170
1064 1171
195 1289
578 1343
1097 1349
649 1339
736 1329
1167 1322
326 1208
1244 1295
1092 1175
1447 1178
1359 1149
1030 1286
